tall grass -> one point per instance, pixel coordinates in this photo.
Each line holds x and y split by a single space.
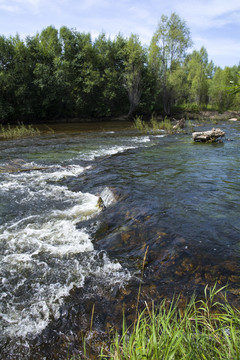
141 125
205 329
166 125
153 126
18 131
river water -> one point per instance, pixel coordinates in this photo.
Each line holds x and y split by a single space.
66 260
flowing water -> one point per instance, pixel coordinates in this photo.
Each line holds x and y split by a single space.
67 258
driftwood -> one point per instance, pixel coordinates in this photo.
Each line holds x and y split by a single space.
208 136
180 124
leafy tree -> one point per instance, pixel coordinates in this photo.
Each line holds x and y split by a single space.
111 94
199 72
167 51
219 97
235 85
134 64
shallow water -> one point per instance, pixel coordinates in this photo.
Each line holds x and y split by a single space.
61 255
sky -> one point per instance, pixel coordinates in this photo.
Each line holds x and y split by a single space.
214 24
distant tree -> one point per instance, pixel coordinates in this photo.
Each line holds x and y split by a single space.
219 96
111 94
199 73
134 65
167 51
235 85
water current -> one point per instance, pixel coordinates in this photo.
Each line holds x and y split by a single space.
63 255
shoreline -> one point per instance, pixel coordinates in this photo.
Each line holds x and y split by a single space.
188 115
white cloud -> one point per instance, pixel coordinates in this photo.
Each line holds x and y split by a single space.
209 14
9 8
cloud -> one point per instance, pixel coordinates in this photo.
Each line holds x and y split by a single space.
22 6
9 8
18 5
209 14
213 23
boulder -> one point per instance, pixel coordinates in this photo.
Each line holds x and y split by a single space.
208 136
233 119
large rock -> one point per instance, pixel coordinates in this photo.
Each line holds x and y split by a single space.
208 136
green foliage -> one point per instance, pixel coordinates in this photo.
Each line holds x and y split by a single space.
219 96
135 58
198 72
206 329
235 88
167 52
64 73
18 131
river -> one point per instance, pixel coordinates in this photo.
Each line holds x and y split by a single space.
65 260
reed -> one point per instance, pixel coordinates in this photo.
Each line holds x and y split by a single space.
18 131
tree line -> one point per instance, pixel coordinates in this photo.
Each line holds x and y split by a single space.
65 73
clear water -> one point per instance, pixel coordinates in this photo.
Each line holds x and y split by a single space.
61 253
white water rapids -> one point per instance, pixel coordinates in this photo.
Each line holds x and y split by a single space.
43 255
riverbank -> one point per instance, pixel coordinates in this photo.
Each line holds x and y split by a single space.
212 115
200 115
205 115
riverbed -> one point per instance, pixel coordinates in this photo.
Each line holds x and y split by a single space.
97 210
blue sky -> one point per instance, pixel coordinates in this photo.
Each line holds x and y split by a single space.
214 24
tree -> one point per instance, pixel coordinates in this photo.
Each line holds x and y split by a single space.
112 97
134 64
167 51
219 97
235 85
199 71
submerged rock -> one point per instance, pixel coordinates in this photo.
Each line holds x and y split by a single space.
208 136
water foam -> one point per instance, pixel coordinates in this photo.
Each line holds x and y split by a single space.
43 254
107 151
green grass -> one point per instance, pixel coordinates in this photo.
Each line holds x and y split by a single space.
18 131
206 329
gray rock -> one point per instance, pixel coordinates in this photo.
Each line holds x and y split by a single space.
208 136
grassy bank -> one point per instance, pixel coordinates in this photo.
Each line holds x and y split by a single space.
17 131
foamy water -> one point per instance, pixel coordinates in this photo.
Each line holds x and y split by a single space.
43 255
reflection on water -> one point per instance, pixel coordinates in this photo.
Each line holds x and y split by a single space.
62 253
